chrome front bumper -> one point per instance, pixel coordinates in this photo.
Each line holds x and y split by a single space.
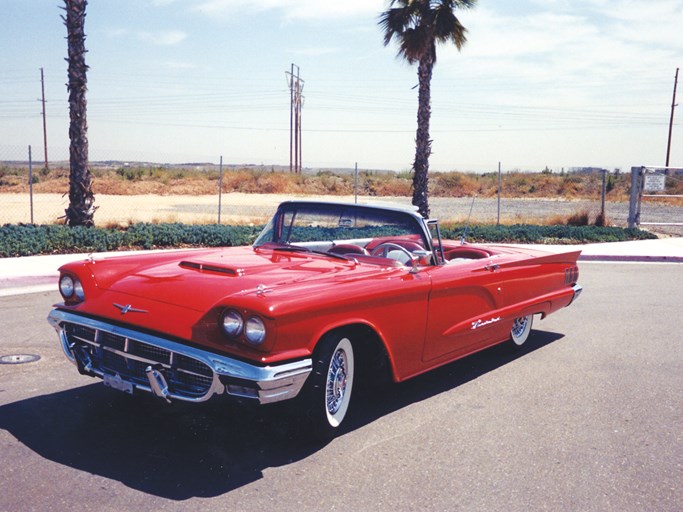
130 360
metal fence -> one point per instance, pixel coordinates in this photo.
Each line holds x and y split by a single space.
649 183
21 165
255 208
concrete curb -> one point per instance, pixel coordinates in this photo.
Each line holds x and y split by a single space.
663 250
634 259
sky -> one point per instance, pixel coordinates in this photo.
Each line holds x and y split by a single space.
540 83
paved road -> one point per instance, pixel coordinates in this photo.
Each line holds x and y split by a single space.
588 417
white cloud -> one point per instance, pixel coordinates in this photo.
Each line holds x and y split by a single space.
163 38
160 38
178 65
314 51
596 48
298 9
491 35
659 23
116 32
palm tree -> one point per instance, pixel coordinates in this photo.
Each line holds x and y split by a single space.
418 25
81 199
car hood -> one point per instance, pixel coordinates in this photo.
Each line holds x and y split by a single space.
201 278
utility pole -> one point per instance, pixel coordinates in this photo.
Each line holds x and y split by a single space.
42 88
296 87
300 104
296 121
671 120
290 83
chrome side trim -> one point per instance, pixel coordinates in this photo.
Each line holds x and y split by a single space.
266 384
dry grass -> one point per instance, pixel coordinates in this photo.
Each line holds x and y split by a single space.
601 220
198 182
579 218
161 181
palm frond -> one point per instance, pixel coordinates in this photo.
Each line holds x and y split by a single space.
414 43
394 23
415 20
447 27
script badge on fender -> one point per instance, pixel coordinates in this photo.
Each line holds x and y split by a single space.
482 323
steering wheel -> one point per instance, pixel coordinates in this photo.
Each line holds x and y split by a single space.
385 248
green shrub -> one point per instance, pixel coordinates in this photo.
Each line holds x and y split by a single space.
524 233
27 240
131 173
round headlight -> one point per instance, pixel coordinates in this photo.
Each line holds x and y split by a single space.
255 330
232 323
66 286
78 290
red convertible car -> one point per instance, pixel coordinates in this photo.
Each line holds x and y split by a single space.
328 293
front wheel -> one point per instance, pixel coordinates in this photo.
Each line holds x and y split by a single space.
330 385
521 328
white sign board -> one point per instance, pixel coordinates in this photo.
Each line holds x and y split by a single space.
654 182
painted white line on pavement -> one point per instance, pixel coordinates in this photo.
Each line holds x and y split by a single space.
23 290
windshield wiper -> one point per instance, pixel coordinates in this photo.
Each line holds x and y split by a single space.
299 248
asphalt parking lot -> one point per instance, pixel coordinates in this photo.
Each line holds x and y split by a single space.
588 416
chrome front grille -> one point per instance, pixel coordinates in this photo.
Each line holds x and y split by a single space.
105 352
128 359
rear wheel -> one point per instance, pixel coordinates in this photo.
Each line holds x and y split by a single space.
521 328
330 384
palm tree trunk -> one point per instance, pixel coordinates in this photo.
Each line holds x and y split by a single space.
81 208
423 144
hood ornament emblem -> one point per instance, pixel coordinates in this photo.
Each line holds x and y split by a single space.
129 308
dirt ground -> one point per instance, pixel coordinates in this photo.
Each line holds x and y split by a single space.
240 208
115 209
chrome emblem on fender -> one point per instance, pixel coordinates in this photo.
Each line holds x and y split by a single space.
129 308
482 323
261 290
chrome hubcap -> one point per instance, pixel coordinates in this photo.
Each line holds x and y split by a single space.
518 326
336 382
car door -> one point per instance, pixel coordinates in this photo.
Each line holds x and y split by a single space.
463 306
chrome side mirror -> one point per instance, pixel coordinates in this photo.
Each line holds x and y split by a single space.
420 258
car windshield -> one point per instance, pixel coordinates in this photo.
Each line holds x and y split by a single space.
345 229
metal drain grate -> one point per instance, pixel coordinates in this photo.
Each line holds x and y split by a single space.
19 358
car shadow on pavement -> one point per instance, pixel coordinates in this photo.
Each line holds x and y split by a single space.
184 451
442 379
